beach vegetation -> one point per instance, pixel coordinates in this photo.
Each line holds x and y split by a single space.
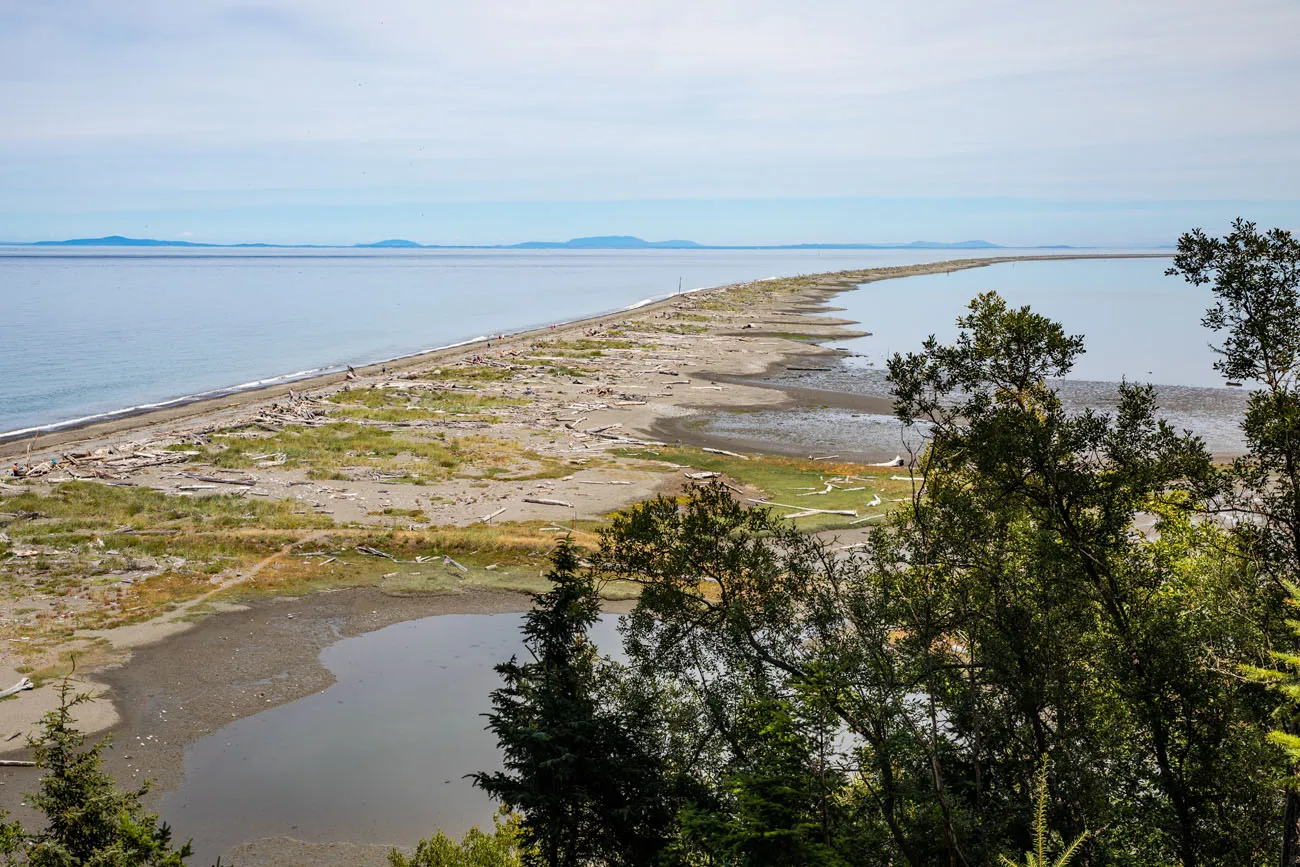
583 347
651 326
347 450
392 404
811 484
507 557
471 373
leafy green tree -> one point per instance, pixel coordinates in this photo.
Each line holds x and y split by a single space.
1010 611
1139 706
577 766
781 801
89 822
475 849
1255 278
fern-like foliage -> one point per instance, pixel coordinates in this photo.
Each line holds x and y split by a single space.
1038 856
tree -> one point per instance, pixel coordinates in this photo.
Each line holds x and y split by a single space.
88 820
1008 612
475 849
577 766
1255 277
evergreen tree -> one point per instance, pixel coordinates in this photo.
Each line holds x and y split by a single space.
576 763
89 822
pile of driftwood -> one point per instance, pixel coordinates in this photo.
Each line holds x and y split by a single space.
300 412
105 463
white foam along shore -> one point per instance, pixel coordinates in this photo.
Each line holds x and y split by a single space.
312 373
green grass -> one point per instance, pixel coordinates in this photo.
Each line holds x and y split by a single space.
793 481
70 507
797 336
584 347
93 536
446 402
655 327
470 373
339 449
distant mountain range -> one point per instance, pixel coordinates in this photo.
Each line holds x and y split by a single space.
599 242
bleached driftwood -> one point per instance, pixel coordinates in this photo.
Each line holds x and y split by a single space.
542 501
25 683
849 513
724 452
247 483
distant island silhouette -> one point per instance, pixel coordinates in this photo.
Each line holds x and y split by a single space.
597 242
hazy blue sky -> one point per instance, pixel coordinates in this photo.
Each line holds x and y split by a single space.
1100 122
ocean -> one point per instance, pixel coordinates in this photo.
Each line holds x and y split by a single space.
89 333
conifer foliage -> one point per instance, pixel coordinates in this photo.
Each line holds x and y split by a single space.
89 821
576 766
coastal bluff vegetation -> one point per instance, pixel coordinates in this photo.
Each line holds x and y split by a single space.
1046 637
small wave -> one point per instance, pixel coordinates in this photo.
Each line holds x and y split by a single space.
169 403
282 379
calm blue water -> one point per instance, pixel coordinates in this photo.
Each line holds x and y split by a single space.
85 332
1136 323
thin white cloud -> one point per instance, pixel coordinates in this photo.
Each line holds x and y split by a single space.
948 97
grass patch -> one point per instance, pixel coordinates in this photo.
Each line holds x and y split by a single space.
70 507
794 481
583 347
511 557
343 450
470 373
112 555
430 402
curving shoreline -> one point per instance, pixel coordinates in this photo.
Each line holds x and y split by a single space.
129 419
171 662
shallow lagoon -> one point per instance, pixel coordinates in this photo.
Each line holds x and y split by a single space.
379 757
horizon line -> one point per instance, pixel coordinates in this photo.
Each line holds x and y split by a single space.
624 242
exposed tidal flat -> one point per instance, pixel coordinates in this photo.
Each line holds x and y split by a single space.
282 526
1138 325
379 757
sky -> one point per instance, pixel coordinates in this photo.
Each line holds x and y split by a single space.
721 121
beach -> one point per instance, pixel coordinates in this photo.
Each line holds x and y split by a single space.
221 544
